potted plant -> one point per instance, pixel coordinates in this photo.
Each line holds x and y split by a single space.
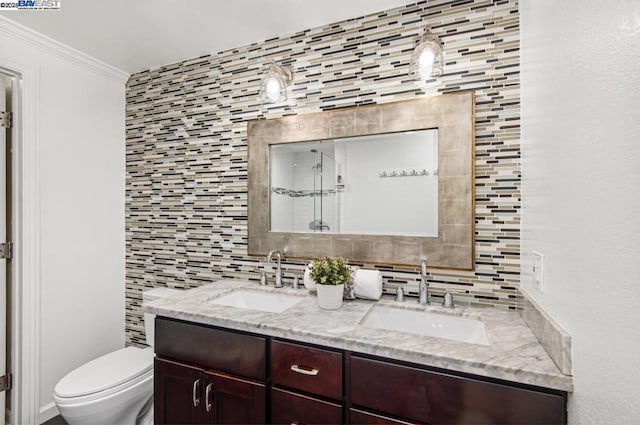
330 275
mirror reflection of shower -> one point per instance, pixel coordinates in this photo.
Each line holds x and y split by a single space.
303 188
385 184
321 181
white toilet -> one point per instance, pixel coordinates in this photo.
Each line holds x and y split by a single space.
116 388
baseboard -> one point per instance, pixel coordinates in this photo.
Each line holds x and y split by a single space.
47 412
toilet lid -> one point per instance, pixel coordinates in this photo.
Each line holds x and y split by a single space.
105 372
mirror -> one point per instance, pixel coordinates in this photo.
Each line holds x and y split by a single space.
382 184
387 184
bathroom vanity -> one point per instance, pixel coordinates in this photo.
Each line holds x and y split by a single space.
222 364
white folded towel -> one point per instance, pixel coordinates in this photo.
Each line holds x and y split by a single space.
367 284
308 283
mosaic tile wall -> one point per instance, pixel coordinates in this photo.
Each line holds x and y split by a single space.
186 182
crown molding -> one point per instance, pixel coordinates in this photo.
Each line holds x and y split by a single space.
60 50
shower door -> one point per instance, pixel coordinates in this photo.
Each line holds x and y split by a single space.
324 194
303 188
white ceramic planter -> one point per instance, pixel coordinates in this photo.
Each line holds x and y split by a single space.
330 296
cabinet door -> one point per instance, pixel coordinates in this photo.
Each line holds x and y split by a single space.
231 400
368 418
438 398
291 408
178 393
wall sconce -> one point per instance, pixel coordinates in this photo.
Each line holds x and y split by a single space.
426 60
275 82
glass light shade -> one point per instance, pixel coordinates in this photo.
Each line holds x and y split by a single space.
274 84
426 60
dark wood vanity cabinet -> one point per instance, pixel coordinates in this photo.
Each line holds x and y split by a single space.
204 375
288 407
307 384
425 396
308 369
209 375
367 418
174 393
188 395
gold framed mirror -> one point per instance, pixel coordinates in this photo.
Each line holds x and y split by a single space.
386 184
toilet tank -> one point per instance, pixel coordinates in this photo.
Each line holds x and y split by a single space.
150 295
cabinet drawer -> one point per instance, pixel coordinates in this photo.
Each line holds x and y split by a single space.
367 418
425 396
231 352
307 369
291 408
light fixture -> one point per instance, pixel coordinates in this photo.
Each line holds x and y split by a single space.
426 60
275 82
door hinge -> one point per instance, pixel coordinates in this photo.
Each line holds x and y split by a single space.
6 250
6 119
5 382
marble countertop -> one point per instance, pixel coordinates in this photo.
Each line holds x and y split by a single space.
514 353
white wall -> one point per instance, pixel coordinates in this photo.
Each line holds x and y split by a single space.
581 190
81 169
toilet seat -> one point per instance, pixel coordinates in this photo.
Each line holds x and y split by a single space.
105 375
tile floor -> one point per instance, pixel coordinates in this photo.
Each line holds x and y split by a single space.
56 420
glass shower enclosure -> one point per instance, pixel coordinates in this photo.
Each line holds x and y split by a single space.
304 184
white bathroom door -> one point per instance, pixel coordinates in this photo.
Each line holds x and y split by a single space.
3 236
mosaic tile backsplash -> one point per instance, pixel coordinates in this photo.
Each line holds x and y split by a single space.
186 182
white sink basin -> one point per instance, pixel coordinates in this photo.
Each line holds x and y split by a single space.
254 300
428 324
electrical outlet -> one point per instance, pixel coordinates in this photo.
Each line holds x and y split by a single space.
537 270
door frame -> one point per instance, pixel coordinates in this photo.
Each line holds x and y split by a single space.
25 302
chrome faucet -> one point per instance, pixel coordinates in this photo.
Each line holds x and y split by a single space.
423 288
278 282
